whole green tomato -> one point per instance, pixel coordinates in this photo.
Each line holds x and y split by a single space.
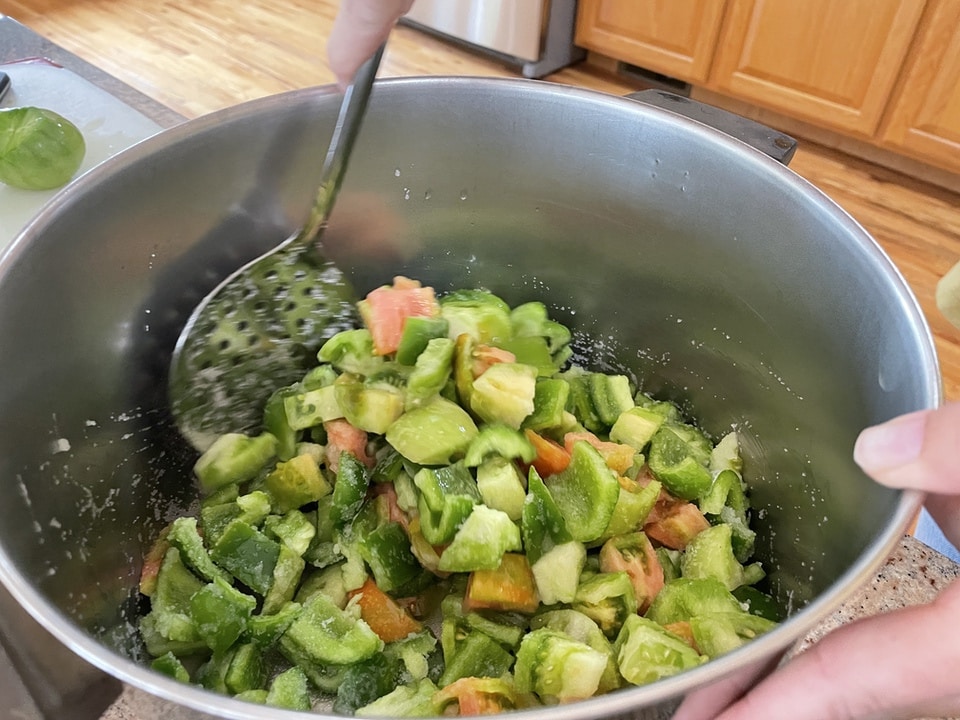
39 149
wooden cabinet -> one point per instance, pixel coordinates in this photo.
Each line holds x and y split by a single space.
672 37
924 116
830 62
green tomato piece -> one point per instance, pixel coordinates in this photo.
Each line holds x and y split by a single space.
558 668
646 652
39 149
432 434
586 493
481 542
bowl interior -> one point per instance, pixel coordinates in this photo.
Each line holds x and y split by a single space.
717 278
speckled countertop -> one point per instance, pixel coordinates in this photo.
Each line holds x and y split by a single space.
914 574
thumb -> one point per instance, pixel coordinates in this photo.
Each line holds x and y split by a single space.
359 29
904 664
917 451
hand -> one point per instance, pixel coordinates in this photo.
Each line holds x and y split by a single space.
904 664
361 26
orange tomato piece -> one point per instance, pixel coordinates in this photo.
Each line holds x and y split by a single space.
551 457
510 587
675 528
344 437
386 309
383 614
617 456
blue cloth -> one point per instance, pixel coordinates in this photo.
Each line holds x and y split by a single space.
929 533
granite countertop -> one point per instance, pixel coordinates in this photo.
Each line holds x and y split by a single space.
914 574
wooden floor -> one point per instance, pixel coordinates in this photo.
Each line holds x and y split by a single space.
197 56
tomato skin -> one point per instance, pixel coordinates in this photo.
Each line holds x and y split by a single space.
386 308
509 587
551 457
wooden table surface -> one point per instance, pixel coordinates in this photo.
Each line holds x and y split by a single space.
196 56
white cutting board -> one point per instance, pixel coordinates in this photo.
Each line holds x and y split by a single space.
108 126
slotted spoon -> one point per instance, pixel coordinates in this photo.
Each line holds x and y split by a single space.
261 327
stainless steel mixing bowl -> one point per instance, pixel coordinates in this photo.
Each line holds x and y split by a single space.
728 283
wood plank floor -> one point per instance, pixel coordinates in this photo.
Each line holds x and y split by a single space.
197 56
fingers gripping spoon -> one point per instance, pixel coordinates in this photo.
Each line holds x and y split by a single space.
260 328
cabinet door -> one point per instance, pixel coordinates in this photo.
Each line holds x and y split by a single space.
671 37
924 118
830 62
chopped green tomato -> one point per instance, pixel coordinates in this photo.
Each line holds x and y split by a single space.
635 427
504 394
386 551
365 681
158 644
542 522
351 351
406 701
221 613
670 562
719 633
417 334
170 665
510 587
549 402
286 578
579 401
532 319
531 351
481 541
499 440
294 529
276 423
673 462
349 490
667 410
368 406
431 372
39 149
726 454
710 554
327 581
248 555
611 396
289 690
607 598
683 598
476 696
557 572
245 671
447 497
558 668
212 675
433 434
185 537
171 600
477 313
265 630
233 458
477 655
258 696
586 493
501 486
726 502
647 652
634 504
311 408
463 348
295 483
582 629
327 634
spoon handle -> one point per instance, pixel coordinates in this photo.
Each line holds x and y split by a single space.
350 118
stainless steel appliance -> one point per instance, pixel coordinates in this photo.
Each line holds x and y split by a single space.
537 35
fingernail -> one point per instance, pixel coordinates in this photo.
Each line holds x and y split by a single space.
892 444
